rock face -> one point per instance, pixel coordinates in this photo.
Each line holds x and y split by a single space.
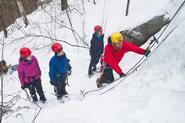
9 11
140 34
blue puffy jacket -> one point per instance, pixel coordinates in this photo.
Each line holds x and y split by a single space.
58 67
97 45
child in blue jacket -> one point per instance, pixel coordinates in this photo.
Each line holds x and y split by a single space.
58 70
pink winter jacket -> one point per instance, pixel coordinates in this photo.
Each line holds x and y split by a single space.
28 72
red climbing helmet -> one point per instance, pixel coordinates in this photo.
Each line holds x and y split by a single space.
56 47
25 52
97 28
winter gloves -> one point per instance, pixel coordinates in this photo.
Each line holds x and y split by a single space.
122 75
69 68
26 85
23 87
52 83
147 52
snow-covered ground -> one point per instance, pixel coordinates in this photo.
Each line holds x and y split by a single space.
153 94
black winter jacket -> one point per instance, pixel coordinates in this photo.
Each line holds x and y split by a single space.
97 46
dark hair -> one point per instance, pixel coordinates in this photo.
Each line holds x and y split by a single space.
109 40
3 62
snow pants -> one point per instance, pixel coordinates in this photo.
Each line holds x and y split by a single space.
92 66
34 87
59 87
108 76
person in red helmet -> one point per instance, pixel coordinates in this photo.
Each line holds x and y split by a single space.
114 52
96 49
29 74
58 70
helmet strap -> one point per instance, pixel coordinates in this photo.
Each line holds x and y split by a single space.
116 48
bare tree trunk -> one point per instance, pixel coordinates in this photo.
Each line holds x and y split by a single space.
2 24
83 5
127 9
4 3
43 3
2 107
140 34
71 25
64 5
22 11
94 2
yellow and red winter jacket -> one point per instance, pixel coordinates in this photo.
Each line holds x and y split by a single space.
113 56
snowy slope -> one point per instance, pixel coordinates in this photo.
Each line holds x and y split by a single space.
153 94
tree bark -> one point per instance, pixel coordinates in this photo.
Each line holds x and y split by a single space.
64 5
127 9
94 2
9 11
140 34
22 11
2 24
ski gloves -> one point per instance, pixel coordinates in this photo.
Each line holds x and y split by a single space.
23 87
147 52
54 84
122 75
69 67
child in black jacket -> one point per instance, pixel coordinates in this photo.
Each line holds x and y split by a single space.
96 49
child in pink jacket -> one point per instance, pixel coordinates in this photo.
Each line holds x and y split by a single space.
29 74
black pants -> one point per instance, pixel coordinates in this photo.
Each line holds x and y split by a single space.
92 66
59 88
34 87
108 76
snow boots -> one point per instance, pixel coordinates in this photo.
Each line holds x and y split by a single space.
37 86
99 82
60 90
42 98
